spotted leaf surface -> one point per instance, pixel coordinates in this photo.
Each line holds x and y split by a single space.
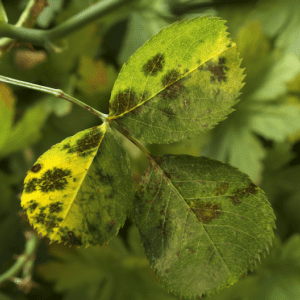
80 191
203 223
184 80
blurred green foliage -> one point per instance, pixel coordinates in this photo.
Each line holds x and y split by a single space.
261 138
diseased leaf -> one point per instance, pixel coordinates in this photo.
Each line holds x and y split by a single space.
81 190
203 223
184 80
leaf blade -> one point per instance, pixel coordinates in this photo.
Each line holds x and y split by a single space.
73 203
196 216
180 76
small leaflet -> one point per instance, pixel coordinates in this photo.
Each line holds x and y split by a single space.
80 191
203 223
183 81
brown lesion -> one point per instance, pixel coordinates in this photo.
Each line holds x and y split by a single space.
218 70
222 188
36 168
206 211
154 65
241 193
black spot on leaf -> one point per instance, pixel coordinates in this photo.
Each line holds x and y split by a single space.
31 185
124 101
170 77
55 207
36 168
206 211
86 144
73 239
222 188
251 189
32 206
154 65
54 180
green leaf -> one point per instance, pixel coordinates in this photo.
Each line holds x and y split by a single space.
275 122
81 190
103 273
27 130
7 111
203 223
236 144
184 80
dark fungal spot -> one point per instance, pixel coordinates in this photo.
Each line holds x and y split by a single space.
32 206
103 177
154 65
251 189
218 70
31 185
50 225
86 144
173 91
124 101
73 239
55 207
92 228
192 251
54 180
222 60
222 188
170 77
36 168
40 217
206 211
66 146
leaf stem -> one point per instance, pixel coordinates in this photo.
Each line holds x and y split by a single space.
124 131
46 37
56 92
32 242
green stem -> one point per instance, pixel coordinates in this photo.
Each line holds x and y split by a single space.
56 92
30 248
46 37
124 131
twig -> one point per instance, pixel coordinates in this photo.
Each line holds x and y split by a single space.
47 37
27 258
56 92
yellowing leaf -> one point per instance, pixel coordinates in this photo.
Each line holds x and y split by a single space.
203 223
184 80
80 191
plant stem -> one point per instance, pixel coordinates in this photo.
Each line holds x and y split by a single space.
46 37
124 131
30 248
56 92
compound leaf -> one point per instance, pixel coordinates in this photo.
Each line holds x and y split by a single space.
184 80
81 190
203 223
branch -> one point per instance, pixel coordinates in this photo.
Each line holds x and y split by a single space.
24 261
46 37
54 92
33 9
